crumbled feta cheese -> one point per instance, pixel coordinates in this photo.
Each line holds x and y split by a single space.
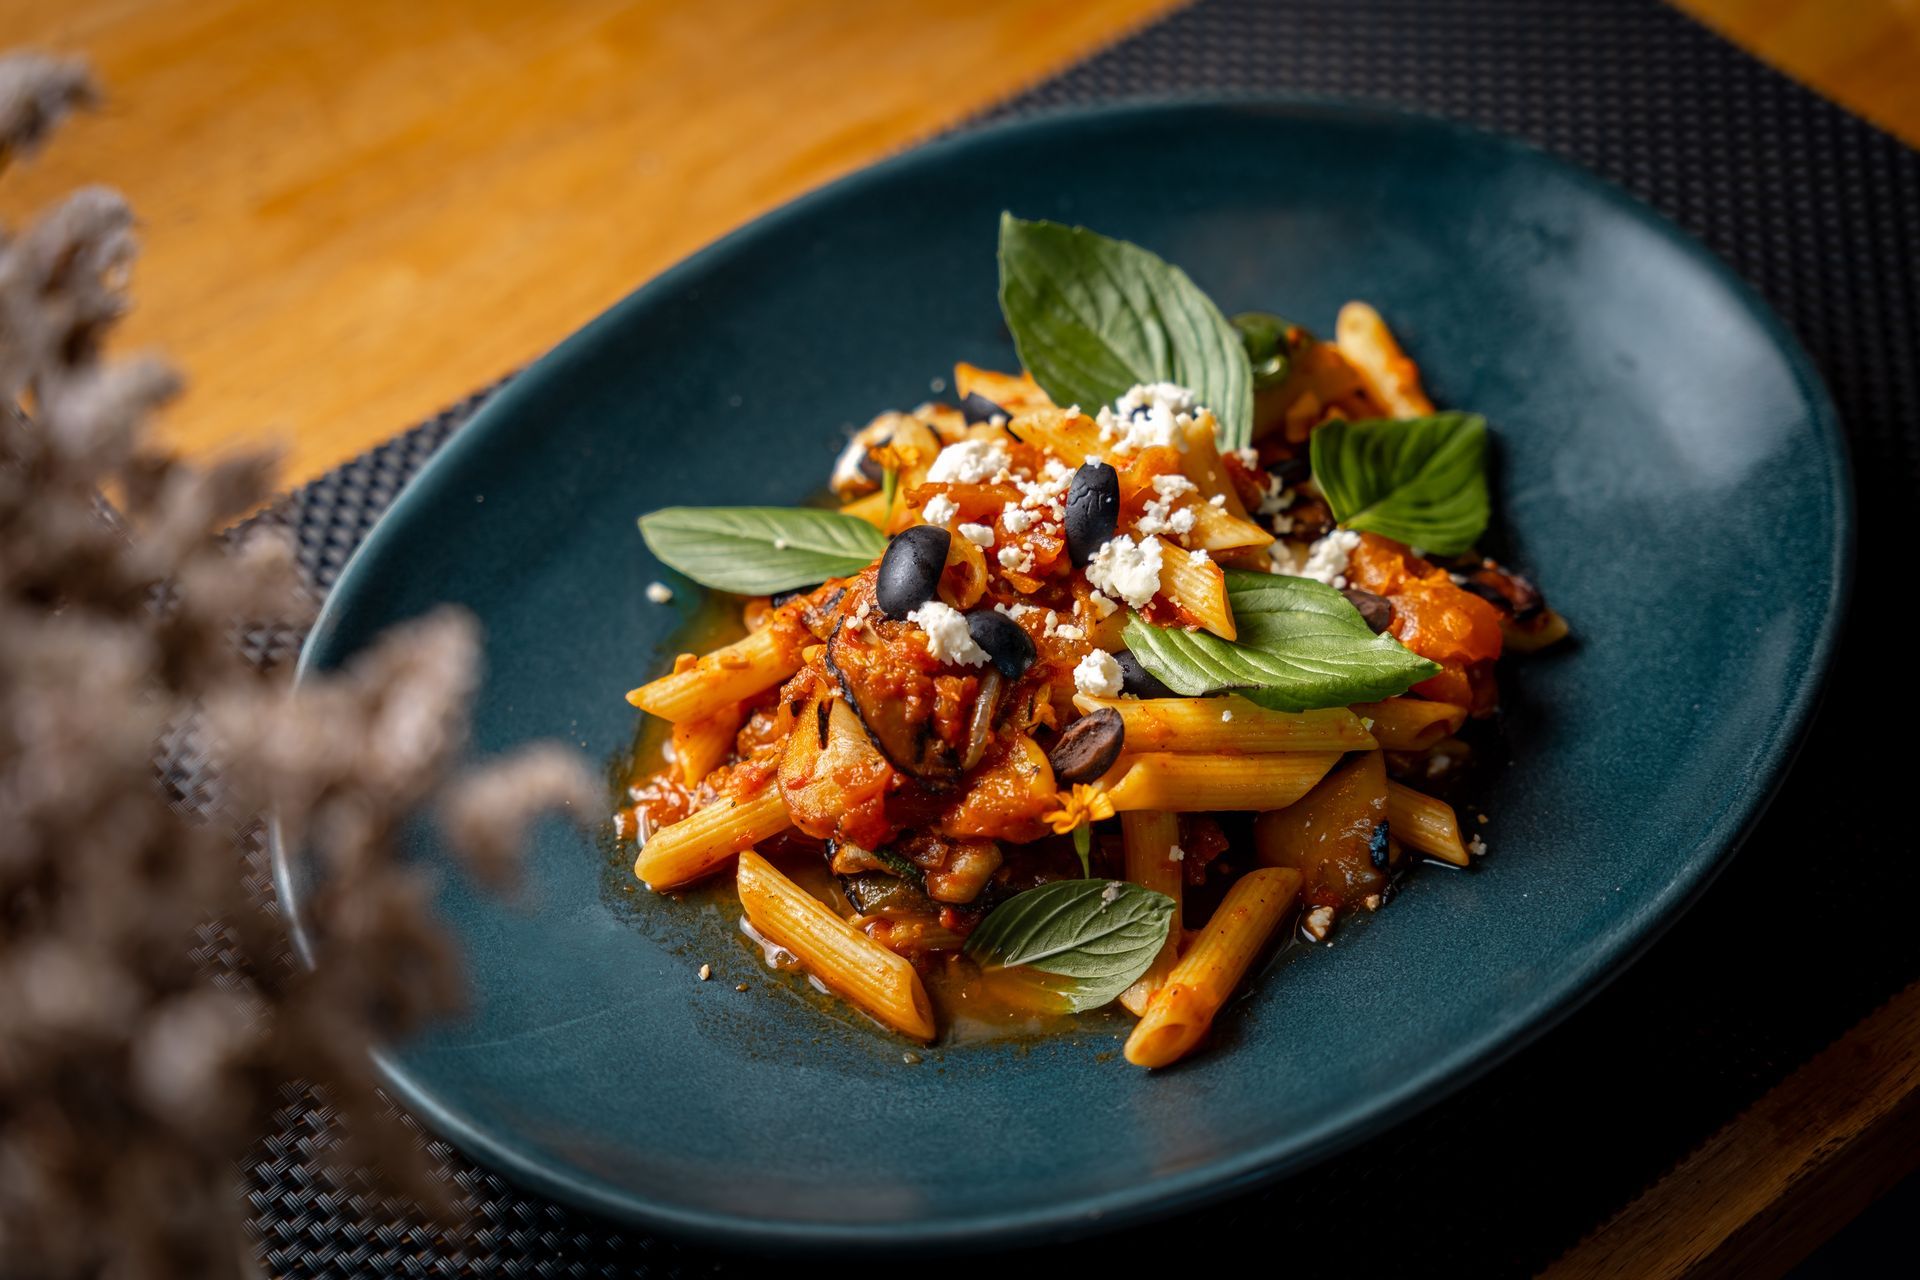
1176 854
1251 457
980 535
1226 716
1102 607
659 593
1016 611
706 971
968 462
1217 500
1327 558
947 637
1111 892
1066 631
940 509
1049 491
1199 556
1173 485
1150 415
1098 675
1317 922
1127 569
1477 847
1016 518
1015 558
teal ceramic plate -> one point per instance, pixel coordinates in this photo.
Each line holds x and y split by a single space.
1668 468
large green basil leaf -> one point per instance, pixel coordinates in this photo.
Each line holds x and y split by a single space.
1099 936
756 551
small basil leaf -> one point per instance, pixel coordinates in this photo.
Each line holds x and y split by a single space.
1099 935
1302 645
1421 481
756 551
1091 317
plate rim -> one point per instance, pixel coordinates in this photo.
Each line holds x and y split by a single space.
1228 1174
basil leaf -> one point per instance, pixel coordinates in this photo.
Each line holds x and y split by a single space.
1421 481
1301 646
1091 317
1099 934
755 551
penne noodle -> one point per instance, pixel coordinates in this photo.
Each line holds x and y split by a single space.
1199 587
1180 1012
1369 346
1196 783
1070 436
1411 724
1202 465
1150 837
1231 724
701 841
700 745
1424 824
739 670
847 961
1215 530
1548 630
1013 392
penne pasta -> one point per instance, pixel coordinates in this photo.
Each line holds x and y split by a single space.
748 666
1231 724
847 961
1195 783
700 745
1013 392
1202 465
1180 1012
1369 346
1411 724
701 841
1199 587
1151 838
1070 437
1424 824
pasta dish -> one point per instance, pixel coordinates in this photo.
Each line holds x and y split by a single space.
1099 678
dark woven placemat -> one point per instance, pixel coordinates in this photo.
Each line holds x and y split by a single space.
1818 210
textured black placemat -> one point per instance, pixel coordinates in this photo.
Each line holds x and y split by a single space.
1822 214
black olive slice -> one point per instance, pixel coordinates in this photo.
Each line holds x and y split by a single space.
1375 611
910 569
1089 747
1093 510
1137 680
1006 643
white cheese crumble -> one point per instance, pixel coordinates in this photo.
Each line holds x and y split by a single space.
1111 892
1250 458
1049 491
1199 556
1150 415
1318 921
1477 847
1176 854
659 593
1016 611
1173 485
1217 500
1016 518
1226 716
947 637
940 509
1017 559
1127 569
1102 607
1327 558
1098 675
968 462
980 535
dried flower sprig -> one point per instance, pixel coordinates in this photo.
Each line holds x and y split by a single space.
137 742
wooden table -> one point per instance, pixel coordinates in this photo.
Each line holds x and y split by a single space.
357 211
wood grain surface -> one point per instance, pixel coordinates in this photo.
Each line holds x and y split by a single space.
1766 1190
356 211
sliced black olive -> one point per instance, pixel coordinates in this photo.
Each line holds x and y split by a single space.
1290 472
1491 594
1010 647
1377 611
975 407
910 569
1089 747
1093 510
1137 680
1377 847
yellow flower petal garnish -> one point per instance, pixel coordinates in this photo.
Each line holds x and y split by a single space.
1087 802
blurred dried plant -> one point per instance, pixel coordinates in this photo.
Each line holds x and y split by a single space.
133 1079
